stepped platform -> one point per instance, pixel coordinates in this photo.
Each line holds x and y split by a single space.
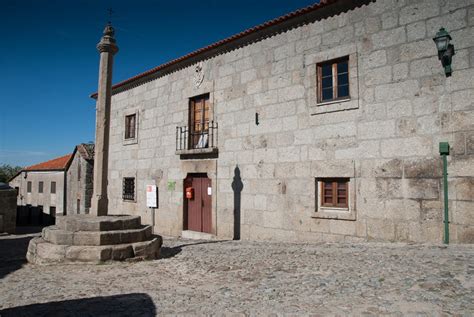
85 238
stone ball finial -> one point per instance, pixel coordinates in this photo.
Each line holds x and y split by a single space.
109 30
107 42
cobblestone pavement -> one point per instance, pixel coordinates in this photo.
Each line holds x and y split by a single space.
246 278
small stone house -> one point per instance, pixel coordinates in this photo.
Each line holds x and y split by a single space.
80 172
59 186
320 125
40 189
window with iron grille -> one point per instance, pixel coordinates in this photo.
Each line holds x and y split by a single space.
130 125
333 80
40 187
334 192
128 190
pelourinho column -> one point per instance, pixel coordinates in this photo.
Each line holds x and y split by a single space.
107 49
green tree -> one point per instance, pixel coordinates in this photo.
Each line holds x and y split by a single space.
8 171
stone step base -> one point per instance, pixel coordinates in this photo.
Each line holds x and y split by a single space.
55 235
93 223
195 235
41 251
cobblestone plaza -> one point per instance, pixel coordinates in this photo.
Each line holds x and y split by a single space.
246 278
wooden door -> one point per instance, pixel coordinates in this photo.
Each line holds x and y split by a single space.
199 122
198 209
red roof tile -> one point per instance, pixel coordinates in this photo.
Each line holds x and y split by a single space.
58 163
221 43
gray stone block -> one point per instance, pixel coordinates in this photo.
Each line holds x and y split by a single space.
122 252
57 236
148 250
102 223
88 253
49 253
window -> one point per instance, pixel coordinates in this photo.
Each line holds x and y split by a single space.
128 190
78 208
130 122
28 187
53 187
334 192
17 190
40 187
199 108
333 80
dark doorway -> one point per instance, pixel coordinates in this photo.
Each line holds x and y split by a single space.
197 194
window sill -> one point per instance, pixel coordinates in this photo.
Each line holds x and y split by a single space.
337 215
334 213
334 105
130 141
128 201
207 150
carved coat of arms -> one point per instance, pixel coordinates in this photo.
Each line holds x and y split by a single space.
198 75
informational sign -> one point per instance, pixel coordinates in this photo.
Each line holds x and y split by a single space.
209 191
151 196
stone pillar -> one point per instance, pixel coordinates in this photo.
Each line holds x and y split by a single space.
107 49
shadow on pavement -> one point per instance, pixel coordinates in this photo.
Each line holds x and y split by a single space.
28 229
169 252
13 252
135 304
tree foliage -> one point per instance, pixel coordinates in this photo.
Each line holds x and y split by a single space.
8 171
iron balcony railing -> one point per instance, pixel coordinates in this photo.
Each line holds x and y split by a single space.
187 139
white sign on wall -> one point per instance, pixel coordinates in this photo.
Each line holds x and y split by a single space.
151 196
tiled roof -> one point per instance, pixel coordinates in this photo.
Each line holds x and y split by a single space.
235 38
58 163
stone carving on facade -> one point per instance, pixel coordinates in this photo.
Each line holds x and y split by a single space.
198 75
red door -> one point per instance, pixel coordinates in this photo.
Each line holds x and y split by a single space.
197 203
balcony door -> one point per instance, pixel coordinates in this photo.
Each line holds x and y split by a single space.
199 113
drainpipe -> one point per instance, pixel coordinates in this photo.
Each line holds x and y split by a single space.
444 152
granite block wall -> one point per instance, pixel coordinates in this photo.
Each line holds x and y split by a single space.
384 138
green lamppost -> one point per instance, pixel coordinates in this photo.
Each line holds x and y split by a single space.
444 152
445 50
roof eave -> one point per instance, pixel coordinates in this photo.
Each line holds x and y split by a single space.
324 9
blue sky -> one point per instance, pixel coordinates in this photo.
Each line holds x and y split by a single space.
49 63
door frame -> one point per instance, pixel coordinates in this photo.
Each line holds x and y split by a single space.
185 200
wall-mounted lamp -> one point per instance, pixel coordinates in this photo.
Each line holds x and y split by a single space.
445 50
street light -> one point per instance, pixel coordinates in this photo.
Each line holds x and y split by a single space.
445 50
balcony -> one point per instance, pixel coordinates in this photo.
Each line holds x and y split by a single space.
199 144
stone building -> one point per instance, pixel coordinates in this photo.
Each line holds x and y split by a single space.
80 171
7 208
57 187
40 189
320 125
